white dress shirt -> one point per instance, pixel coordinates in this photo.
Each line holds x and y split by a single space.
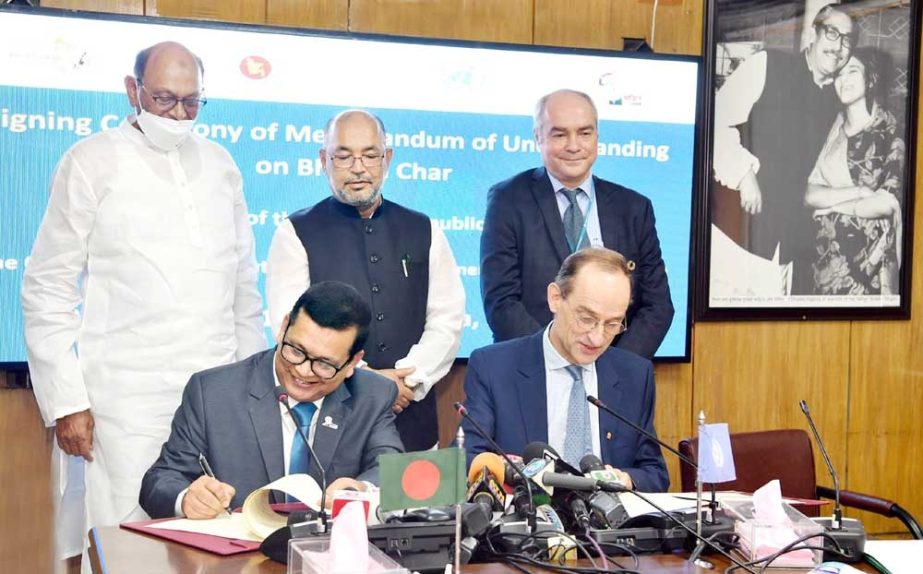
558 383
288 276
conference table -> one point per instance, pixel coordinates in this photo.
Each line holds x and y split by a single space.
114 550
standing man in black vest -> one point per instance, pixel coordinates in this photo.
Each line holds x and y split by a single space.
772 116
398 258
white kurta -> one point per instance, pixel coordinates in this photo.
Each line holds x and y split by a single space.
142 273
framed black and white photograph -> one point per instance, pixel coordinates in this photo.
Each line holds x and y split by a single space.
808 199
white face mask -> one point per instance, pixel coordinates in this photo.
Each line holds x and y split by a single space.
166 134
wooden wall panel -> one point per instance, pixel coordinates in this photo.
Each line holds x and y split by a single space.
111 6
245 11
25 478
585 24
326 14
673 415
484 20
752 375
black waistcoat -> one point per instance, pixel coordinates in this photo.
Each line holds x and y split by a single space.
786 130
372 255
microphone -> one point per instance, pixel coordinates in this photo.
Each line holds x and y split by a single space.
530 510
545 451
602 406
491 462
578 483
282 397
486 491
849 535
607 508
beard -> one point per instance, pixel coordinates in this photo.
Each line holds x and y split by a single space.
360 200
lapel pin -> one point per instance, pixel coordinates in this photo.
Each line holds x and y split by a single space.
631 265
609 435
328 422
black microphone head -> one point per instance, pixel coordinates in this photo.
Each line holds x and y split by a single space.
538 449
460 408
804 407
591 462
593 400
280 393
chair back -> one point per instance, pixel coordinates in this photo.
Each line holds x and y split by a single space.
760 457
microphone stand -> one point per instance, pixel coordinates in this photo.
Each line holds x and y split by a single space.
282 396
530 509
698 550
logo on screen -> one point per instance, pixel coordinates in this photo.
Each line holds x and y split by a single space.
255 67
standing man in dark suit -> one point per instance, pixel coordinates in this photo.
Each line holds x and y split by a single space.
540 216
535 388
396 257
231 414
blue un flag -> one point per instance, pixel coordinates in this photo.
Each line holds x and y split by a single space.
716 461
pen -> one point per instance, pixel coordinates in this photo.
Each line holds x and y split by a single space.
405 263
207 471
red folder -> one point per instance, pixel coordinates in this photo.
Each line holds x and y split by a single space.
207 542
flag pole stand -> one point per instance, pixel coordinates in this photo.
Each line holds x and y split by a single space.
460 441
698 482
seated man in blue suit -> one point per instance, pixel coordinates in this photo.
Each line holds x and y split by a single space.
538 217
535 388
232 416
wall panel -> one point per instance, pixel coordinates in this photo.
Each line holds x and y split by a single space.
484 20
247 11
326 14
110 6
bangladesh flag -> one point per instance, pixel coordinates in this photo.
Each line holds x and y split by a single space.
426 478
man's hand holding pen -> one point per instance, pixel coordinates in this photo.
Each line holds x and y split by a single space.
207 497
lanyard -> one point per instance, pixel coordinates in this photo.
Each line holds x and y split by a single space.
586 221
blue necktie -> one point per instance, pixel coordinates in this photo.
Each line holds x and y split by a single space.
300 456
573 219
577 442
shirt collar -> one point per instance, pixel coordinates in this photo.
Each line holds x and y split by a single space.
553 359
587 185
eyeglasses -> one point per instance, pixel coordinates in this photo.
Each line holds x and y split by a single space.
342 161
834 35
319 367
588 323
167 103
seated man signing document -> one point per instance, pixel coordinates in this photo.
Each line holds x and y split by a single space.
535 388
231 414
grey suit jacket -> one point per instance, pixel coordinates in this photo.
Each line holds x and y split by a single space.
231 415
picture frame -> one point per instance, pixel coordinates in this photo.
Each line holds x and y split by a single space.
807 192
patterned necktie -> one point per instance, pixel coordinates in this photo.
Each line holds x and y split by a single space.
577 441
573 220
300 456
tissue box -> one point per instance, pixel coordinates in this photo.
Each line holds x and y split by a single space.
310 556
760 540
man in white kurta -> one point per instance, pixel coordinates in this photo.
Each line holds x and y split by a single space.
142 273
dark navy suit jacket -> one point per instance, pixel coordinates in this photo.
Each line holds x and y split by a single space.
523 246
505 389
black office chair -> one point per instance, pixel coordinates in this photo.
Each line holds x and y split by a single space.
786 455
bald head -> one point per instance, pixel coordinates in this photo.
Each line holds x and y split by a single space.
353 117
170 51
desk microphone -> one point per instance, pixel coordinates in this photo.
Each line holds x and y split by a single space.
530 508
282 397
602 406
851 534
